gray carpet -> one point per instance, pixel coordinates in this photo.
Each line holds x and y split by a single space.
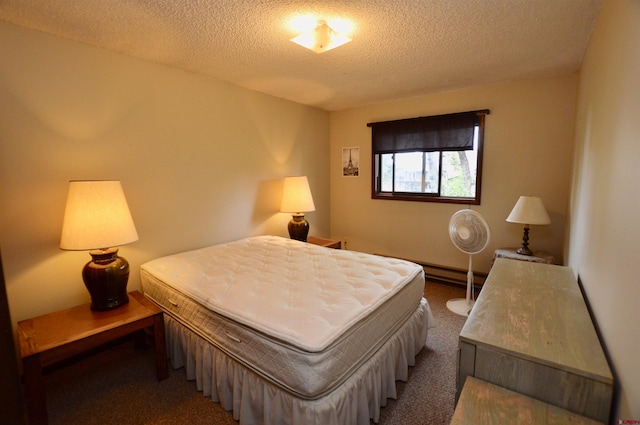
119 385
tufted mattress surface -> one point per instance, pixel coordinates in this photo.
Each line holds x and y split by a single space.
303 316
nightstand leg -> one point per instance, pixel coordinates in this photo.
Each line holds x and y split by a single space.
34 390
161 348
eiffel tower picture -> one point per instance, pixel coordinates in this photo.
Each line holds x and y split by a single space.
350 161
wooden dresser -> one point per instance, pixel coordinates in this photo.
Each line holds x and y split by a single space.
530 332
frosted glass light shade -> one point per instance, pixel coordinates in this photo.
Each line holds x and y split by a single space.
296 195
321 39
529 210
96 216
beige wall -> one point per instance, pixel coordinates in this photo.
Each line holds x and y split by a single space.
603 245
528 151
200 161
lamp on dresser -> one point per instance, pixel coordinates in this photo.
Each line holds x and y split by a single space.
97 219
297 199
528 210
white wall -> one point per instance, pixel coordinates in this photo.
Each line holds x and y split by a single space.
528 151
605 204
200 161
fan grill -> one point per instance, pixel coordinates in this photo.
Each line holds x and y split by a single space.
468 231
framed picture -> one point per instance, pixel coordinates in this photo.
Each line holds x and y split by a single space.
350 162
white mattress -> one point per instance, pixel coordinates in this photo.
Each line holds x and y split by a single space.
302 316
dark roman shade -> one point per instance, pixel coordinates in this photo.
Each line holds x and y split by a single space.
450 132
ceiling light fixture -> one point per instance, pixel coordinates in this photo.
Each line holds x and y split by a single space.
321 39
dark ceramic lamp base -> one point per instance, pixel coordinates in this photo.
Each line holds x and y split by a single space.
106 279
298 228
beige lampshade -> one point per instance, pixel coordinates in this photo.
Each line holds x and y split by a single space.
529 210
96 216
296 195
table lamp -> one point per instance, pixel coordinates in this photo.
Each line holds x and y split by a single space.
97 219
297 199
528 210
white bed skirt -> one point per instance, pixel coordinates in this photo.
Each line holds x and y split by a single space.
255 400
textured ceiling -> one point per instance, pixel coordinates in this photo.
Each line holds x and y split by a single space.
400 48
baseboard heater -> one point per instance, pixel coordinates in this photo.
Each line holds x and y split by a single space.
451 275
448 275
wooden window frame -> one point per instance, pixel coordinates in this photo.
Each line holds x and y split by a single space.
428 197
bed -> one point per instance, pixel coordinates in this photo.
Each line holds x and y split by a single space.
285 332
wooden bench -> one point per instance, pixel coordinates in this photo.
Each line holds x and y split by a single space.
530 332
488 404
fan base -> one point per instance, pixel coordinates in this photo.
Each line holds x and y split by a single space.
460 306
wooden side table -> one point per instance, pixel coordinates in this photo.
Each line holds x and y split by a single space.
48 339
511 253
329 243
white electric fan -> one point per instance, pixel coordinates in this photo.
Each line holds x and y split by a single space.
470 233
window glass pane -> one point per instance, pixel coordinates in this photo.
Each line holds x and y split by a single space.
408 172
432 172
386 173
459 172
417 172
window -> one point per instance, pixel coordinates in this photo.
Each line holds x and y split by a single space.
436 158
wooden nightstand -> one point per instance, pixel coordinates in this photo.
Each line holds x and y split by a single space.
329 243
48 339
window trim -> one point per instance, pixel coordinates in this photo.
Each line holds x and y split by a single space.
426 197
